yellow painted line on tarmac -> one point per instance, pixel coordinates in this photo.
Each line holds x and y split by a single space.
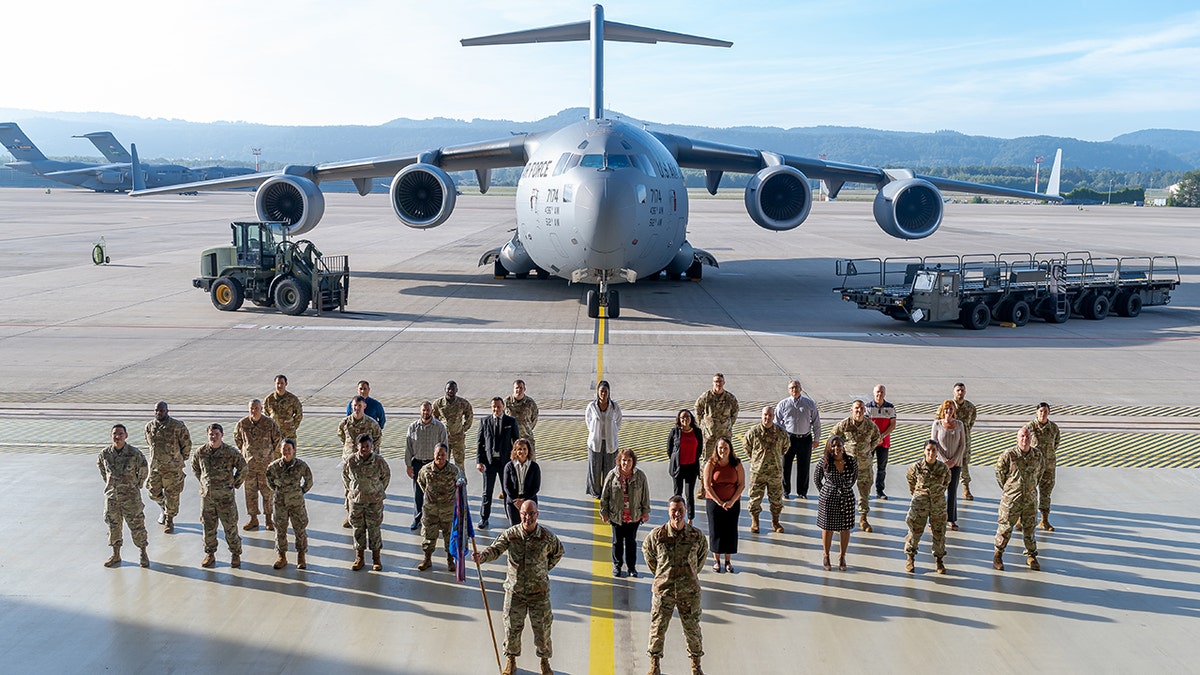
600 337
601 658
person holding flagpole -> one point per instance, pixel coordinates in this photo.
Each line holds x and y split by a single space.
437 480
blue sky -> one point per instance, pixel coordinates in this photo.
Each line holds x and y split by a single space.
1089 70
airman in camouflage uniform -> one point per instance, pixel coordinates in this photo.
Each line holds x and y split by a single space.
1018 471
716 412
366 476
290 478
356 424
861 436
124 469
675 553
533 551
928 479
169 444
284 407
221 469
456 413
1045 437
258 437
525 410
965 413
765 444
438 480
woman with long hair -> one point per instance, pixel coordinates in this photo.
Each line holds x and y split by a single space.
684 447
625 504
724 481
603 419
951 435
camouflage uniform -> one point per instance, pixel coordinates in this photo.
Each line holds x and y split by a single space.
123 472
458 416
675 558
765 447
1018 473
170 445
349 430
366 482
715 413
286 411
220 471
531 556
966 414
927 483
525 412
860 439
259 443
290 481
438 514
1045 437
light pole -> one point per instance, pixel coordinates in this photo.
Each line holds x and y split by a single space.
257 152
1037 171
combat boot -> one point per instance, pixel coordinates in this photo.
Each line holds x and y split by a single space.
967 494
145 559
866 527
997 560
358 560
450 566
280 562
546 669
941 566
1033 563
654 669
775 526
162 517
251 524
346 523
114 560
1046 521
910 565
210 560
235 561
169 526
426 563
270 523
753 523
696 666
510 665
376 562
301 563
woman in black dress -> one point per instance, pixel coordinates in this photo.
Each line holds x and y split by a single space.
835 477
724 481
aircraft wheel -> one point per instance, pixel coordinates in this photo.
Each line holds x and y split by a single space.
674 276
292 297
1095 306
613 308
696 271
593 304
498 270
1016 312
542 274
975 316
521 275
227 294
1129 304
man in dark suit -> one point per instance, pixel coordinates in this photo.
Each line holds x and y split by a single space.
497 433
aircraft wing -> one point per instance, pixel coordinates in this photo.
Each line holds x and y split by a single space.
480 157
718 158
89 170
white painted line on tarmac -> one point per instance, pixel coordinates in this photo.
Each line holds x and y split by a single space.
573 331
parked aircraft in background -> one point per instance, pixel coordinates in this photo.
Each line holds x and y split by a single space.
601 201
109 146
28 159
159 174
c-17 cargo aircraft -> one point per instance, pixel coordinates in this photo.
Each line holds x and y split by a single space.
601 201
157 174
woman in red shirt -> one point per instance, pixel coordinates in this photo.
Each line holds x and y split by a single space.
683 449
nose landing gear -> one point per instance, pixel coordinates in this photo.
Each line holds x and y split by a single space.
609 299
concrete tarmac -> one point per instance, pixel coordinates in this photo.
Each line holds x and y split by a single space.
85 346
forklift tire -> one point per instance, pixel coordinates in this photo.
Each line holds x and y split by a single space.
227 294
975 316
292 297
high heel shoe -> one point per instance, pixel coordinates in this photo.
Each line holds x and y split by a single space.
842 563
826 564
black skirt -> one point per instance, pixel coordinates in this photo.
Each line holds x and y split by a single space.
723 526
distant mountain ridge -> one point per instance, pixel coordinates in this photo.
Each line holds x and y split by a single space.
1145 150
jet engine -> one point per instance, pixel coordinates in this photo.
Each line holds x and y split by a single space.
778 198
111 177
909 209
422 195
290 199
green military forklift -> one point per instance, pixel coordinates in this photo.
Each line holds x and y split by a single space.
263 266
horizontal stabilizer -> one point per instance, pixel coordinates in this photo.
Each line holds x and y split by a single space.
581 31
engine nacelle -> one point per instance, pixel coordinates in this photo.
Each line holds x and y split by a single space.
909 209
293 200
111 177
422 195
778 198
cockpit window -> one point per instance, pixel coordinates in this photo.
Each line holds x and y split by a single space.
643 164
565 163
619 162
592 162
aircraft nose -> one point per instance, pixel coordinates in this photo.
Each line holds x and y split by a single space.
606 213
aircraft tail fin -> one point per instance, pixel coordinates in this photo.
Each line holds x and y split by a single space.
598 31
1055 175
18 144
109 146
139 179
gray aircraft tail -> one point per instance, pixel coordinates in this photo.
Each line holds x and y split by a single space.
598 31
1055 175
139 179
18 144
109 146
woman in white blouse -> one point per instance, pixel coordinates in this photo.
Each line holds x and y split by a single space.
951 437
603 418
